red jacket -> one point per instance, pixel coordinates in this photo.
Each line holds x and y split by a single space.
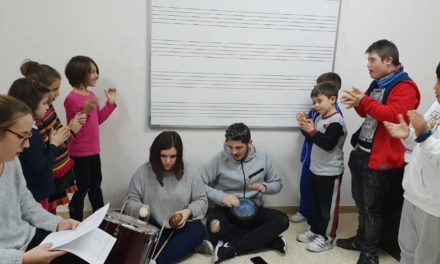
388 153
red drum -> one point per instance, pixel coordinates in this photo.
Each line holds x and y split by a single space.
134 238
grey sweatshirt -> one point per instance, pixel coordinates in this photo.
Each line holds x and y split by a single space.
225 175
19 215
188 192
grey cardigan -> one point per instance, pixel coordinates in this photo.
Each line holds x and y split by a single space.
20 215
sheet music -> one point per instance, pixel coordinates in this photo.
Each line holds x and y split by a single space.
87 241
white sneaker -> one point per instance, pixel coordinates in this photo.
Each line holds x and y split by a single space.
319 244
205 248
306 237
297 218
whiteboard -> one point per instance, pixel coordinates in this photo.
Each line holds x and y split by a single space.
216 62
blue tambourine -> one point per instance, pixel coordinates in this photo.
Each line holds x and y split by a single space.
246 210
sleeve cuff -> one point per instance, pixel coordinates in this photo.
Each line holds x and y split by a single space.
423 136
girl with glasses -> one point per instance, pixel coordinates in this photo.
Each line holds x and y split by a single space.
24 223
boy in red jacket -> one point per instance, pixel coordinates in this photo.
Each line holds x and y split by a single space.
377 157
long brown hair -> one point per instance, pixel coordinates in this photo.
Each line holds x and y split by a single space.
166 140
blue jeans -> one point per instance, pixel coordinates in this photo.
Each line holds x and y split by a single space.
181 243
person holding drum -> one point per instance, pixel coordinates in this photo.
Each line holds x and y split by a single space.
24 223
166 188
236 179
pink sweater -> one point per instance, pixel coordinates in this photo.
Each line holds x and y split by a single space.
86 142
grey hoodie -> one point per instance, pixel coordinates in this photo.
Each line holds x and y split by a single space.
225 175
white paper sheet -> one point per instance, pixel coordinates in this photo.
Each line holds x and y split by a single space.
87 241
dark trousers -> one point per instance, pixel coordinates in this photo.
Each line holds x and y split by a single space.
369 189
88 181
181 243
259 232
304 189
324 204
68 258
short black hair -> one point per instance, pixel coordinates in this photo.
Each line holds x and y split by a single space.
326 88
385 49
78 69
438 71
29 92
238 131
332 77
166 140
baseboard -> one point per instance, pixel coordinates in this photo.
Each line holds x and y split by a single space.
346 209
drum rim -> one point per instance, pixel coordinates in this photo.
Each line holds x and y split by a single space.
136 225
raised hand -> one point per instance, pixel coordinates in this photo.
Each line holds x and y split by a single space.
111 95
399 130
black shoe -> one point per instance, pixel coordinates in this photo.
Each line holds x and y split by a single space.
351 243
368 258
279 244
223 252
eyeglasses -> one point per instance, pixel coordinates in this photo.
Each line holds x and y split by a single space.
21 137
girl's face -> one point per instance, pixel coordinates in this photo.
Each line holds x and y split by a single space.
168 158
42 107
93 76
54 90
16 138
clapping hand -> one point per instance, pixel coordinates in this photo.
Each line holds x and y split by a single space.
399 130
352 98
111 95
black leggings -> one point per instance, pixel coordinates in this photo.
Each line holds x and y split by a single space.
247 236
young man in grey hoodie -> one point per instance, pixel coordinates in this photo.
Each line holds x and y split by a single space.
236 172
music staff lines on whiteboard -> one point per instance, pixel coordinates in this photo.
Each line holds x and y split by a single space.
240 51
242 19
231 81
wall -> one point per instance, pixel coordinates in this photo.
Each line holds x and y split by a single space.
113 33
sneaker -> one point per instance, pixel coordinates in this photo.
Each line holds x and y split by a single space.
319 244
351 243
279 244
298 218
306 237
368 258
223 252
205 248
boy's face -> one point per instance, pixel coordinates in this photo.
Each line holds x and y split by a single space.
437 90
378 68
323 104
238 149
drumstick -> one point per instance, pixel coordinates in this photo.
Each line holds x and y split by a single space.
163 245
158 239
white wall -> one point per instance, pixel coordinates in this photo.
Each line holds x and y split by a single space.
113 33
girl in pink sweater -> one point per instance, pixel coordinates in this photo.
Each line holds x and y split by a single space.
82 73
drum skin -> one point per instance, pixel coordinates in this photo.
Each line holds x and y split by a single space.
246 210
